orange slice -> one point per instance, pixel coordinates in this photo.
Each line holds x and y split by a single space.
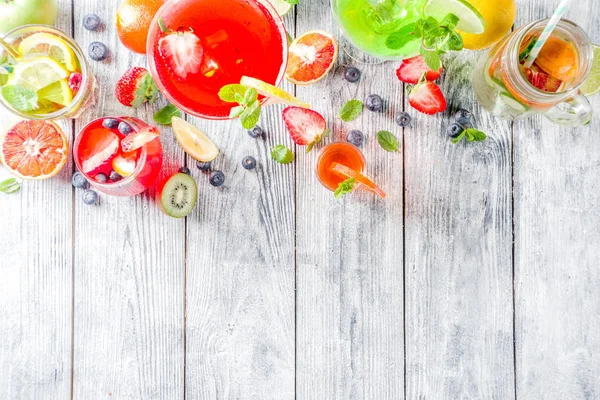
34 149
362 180
311 56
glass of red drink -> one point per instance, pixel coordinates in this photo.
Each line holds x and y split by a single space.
98 155
195 47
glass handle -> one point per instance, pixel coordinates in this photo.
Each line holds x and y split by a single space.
575 111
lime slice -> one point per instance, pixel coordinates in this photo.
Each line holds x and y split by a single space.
282 7
274 94
471 20
591 86
37 73
194 141
58 92
45 44
513 103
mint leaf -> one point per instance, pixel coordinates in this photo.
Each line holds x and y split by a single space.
458 138
292 2
387 141
282 154
344 188
454 42
166 114
236 111
401 37
431 57
21 98
250 116
351 110
228 92
250 97
163 26
9 186
475 135
450 21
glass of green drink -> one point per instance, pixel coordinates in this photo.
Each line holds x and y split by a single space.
368 23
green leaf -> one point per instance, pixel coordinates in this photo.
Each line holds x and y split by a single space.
326 133
146 91
432 58
458 138
21 98
387 141
455 42
450 21
344 188
401 37
292 2
166 114
475 135
351 110
282 154
9 186
236 111
239 98
249 118
163 26
251 96
228 92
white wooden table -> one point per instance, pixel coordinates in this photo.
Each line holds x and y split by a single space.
477 278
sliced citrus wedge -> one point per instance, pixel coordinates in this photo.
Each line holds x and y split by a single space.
124 163
281 6
45 44
136 140
37 73
194 141
362 180
311 56
591 85
470 19
274 94
58 92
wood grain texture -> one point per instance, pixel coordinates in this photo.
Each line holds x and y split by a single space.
36 279
349 251
129 262
240 267
458 252
557 196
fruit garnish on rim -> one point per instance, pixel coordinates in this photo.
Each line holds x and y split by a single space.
344 188
273 93
182 50
361 181
136 140
306 127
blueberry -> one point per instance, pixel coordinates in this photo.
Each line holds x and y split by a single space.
92 22
203 166
403 119
374 103
217 178
97 51
101 178
249 162
454 130
352 74
110 123
356 137
184 170
463 117
90 197
125 128
79 181
114 176
256 132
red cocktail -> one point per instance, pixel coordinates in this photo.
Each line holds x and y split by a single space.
195 47
100 155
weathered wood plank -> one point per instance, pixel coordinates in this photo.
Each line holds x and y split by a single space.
129 263
349 251
240 268
459 341
36 279
557 195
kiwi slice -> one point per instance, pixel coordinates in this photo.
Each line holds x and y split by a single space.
179 195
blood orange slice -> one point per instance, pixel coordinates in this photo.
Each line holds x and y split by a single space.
362 180
311 56
34 149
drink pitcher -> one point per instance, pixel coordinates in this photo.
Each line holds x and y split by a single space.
550 87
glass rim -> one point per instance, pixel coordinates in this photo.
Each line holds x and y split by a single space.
85 72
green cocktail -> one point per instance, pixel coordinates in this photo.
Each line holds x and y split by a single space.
368 23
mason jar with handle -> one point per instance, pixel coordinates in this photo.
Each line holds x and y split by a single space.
508 90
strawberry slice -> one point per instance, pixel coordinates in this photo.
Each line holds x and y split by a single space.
427 97
136 140
362 180
411 69
306 127
97 149
182 51
543 81
136 87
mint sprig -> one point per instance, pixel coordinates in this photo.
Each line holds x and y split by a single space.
344 188
9 186
437 38
249 107
472 135
166 114
351 110
387 141
282 154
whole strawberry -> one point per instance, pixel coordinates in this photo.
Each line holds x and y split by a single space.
306 127
136 87
427 97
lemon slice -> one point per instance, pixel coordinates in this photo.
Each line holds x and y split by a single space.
57 92
124 163
282 7
37 73
49 45
194 141
471 20
274 94
591 86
